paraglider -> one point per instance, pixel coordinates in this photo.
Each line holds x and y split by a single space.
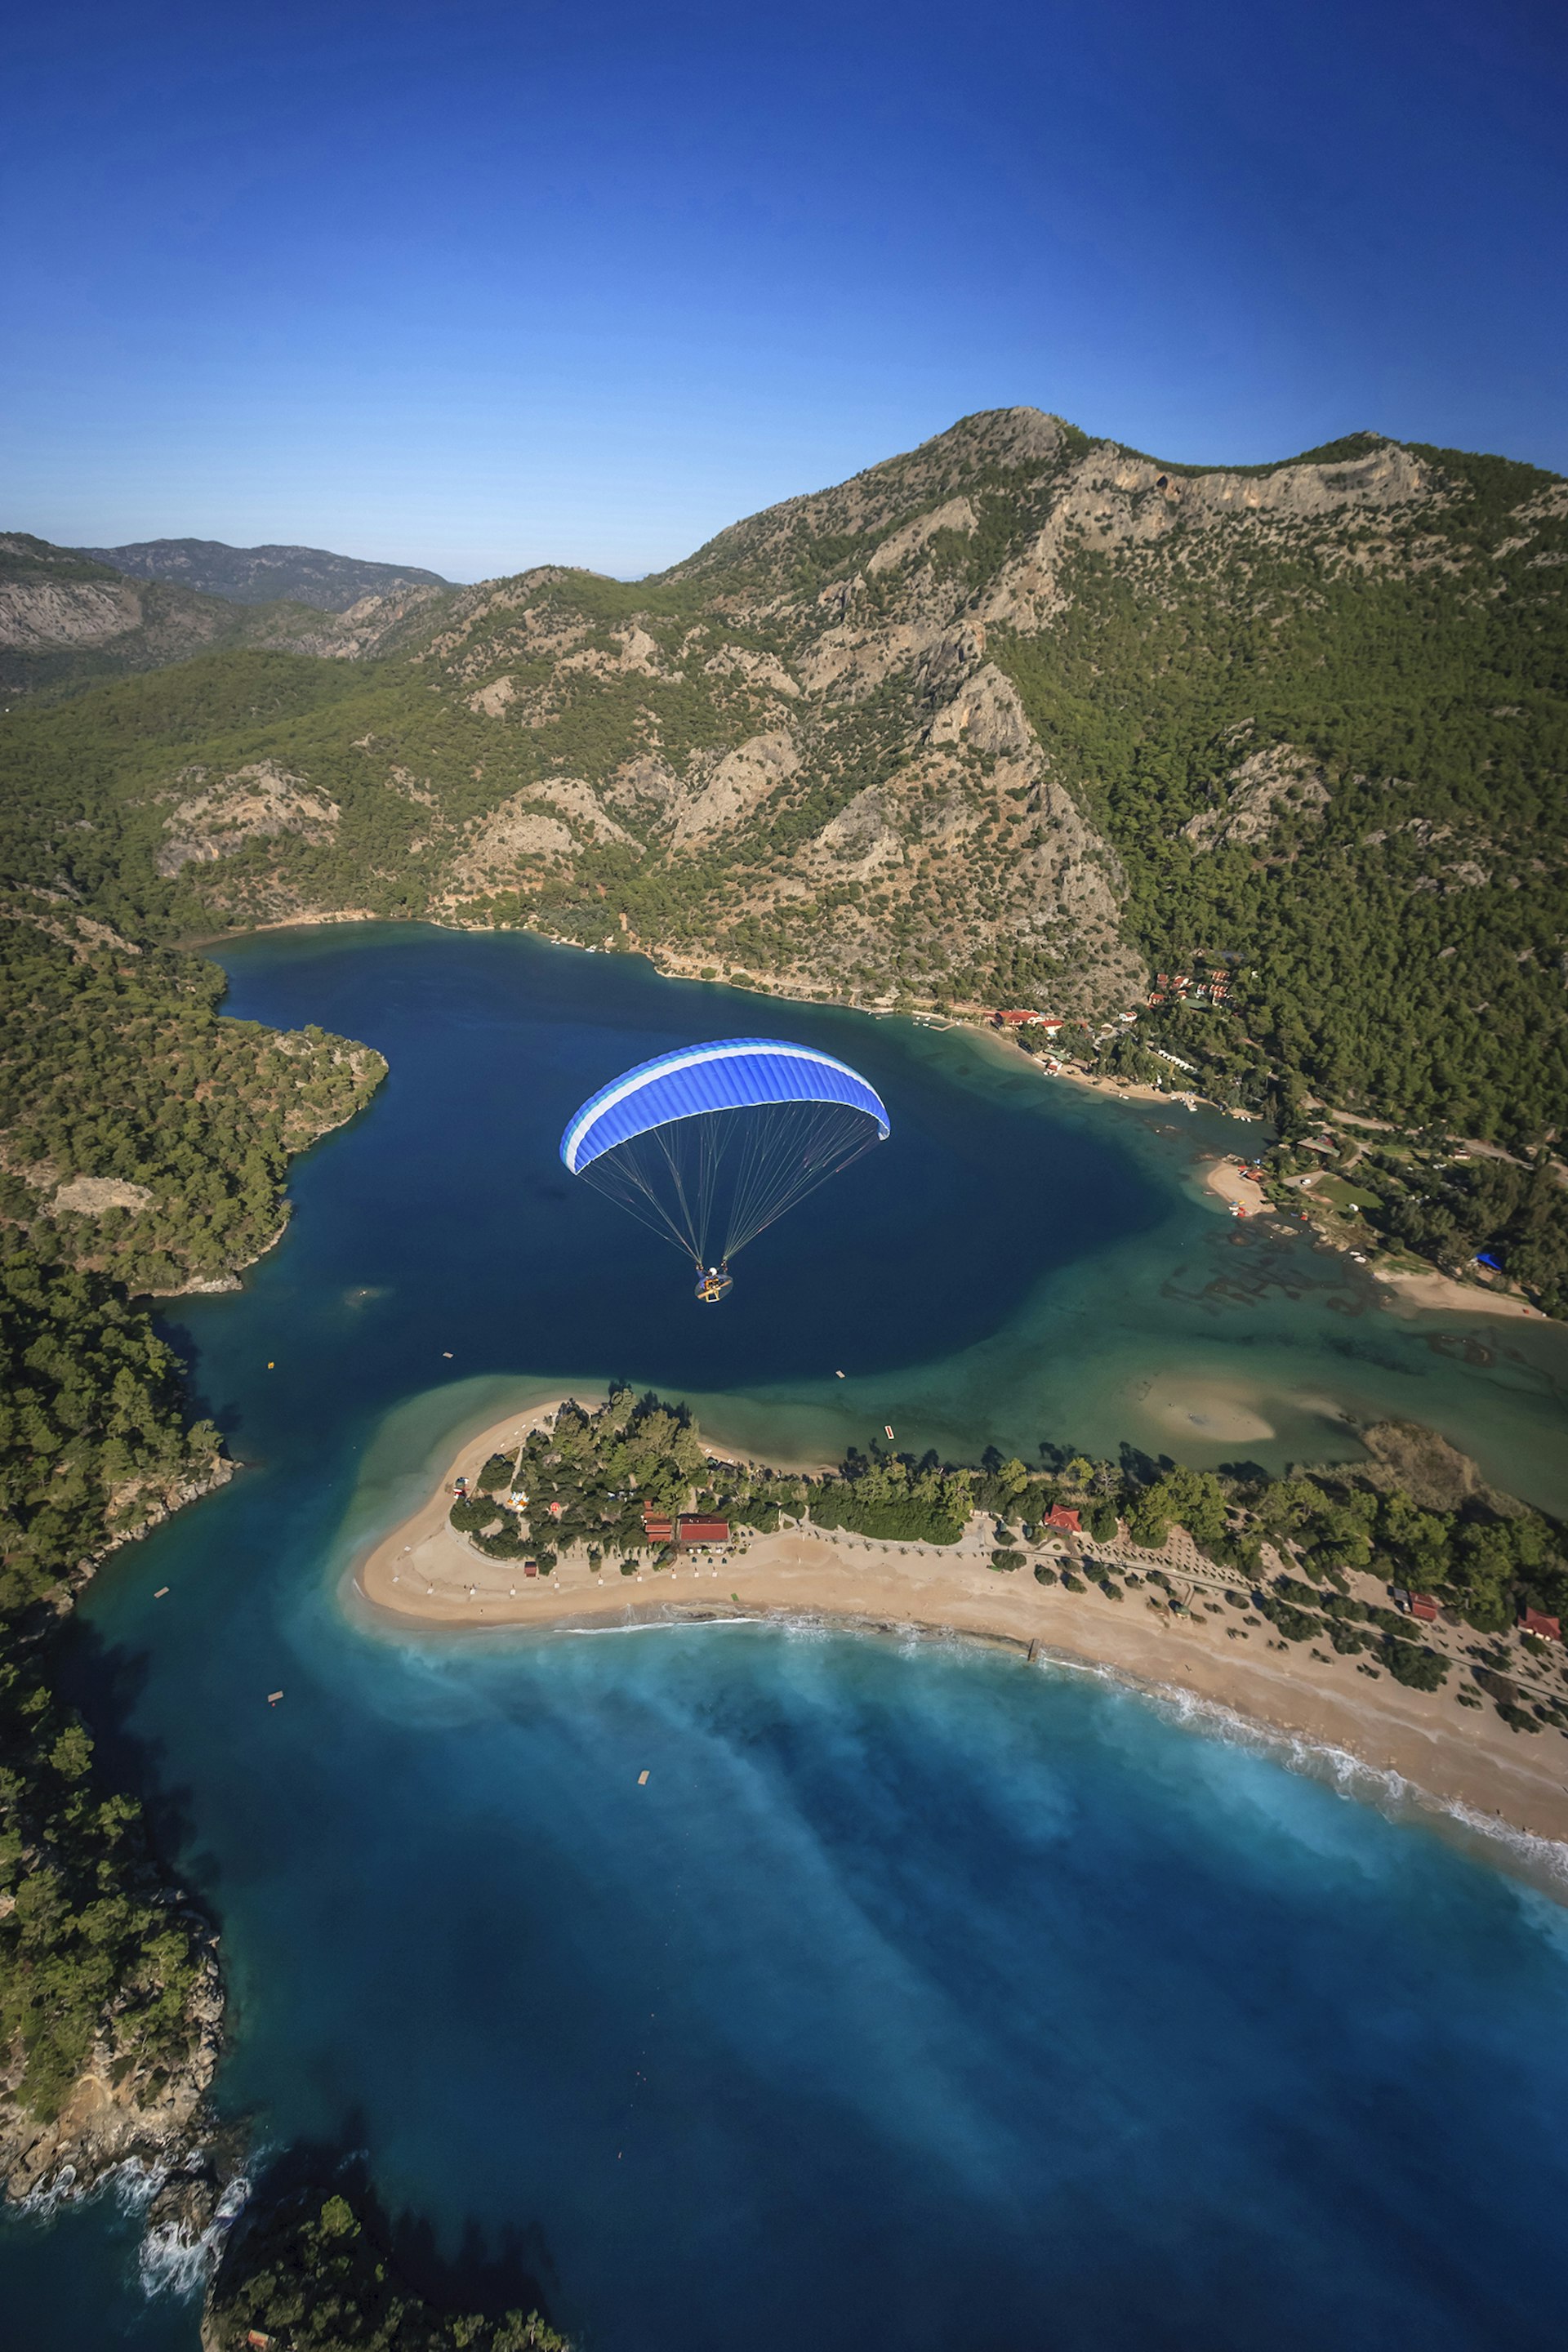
711 1145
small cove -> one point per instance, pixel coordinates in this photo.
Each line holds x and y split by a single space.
918 1997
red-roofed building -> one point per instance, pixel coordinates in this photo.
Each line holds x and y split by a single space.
1059 1516
657 1527
1544 1628
696 1527
1425 1606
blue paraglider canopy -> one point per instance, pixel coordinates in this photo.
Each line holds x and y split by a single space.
733 1074
723 1138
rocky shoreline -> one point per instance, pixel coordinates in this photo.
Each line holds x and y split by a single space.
105 2123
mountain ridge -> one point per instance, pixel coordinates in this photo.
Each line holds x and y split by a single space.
273 574
68 619
1017 716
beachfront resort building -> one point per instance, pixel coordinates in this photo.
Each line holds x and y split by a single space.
698 1528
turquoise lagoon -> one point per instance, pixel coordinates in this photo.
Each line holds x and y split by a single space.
920 1999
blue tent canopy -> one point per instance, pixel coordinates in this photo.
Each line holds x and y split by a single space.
731 1073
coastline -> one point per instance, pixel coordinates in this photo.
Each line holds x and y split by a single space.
422 1575
1442 1293
1223 1178
1423 1290
1427 1288
107 2119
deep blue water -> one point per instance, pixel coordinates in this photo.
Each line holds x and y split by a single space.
917 1250
920 1999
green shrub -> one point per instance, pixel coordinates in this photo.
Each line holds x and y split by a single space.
1415 1665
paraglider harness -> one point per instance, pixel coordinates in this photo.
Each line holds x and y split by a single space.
717 1283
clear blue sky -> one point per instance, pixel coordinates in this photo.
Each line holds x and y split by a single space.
472 284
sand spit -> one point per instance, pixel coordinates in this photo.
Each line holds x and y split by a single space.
1220 1411
425 1574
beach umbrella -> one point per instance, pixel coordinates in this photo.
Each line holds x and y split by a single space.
711 1145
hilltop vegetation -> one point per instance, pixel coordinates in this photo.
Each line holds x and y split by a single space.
145 1140
1017 716
144 1144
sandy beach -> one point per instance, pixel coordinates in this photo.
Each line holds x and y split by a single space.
1422 1287
1430 1288
1238 1191
425 1574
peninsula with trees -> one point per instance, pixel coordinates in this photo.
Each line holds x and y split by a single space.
1400 1607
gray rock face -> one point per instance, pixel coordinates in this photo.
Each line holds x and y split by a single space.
1272 783
68 618
215 817
36 615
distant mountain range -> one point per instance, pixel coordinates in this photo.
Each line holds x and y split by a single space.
69 616
1018 719
262 575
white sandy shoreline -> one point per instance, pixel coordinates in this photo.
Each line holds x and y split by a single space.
424 1575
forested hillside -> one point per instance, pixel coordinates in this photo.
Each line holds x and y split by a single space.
145 1140
1016 718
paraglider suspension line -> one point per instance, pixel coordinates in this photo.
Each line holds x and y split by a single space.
670 1179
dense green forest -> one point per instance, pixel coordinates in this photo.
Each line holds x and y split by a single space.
94 1441
117 1066
1397 1196
1400 946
